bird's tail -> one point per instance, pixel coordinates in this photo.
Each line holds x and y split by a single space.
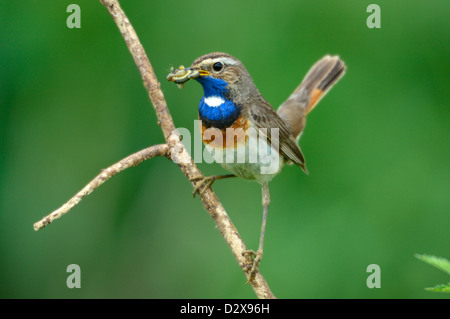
320 78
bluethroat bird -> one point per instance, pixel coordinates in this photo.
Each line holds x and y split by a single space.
243 132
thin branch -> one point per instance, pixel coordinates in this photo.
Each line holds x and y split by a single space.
129 161
145 68
175 150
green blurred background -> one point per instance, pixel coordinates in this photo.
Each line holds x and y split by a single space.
377 147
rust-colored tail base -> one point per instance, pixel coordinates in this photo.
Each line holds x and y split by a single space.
317 82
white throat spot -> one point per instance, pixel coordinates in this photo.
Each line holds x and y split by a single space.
214 101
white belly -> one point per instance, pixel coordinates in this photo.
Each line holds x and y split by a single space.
255 159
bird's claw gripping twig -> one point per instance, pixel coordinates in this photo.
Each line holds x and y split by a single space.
206 181
254 264
203 183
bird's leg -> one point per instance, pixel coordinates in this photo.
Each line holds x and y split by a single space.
207 181
258 255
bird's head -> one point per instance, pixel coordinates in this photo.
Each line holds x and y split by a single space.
220 74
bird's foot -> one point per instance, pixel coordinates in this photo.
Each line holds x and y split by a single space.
253 265
203 183
206 181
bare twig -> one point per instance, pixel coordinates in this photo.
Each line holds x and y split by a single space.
173 149
129 161
145 68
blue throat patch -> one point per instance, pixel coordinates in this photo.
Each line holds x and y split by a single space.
223 115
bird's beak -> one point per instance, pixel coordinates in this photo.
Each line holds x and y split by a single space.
182 74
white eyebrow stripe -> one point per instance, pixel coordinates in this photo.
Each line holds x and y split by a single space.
224 60
228 61
214 101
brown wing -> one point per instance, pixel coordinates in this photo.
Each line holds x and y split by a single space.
264 116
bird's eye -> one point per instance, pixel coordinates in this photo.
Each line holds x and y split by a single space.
218 66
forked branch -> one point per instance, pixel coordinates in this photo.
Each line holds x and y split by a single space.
129 161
